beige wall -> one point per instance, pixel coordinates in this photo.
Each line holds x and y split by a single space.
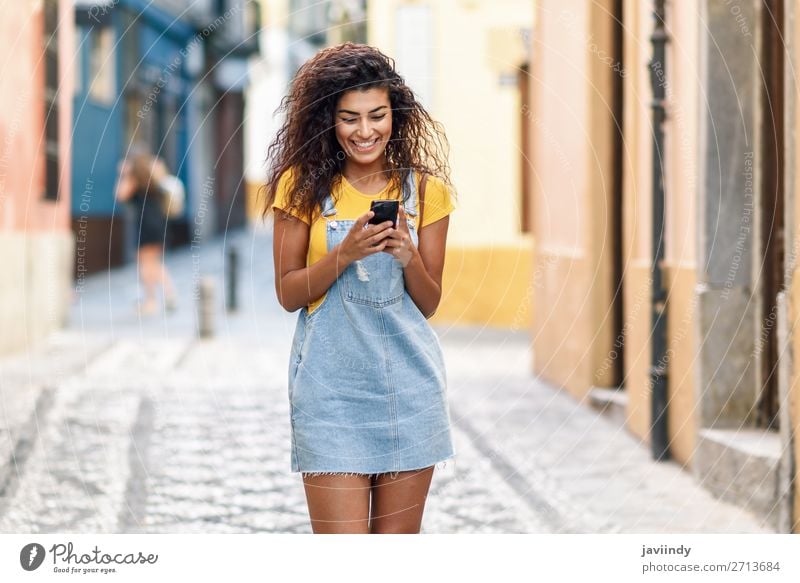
572 152
793 211
473 43
571 138
794 393
475 48
681 183
637 212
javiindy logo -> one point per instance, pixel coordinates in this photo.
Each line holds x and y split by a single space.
31 556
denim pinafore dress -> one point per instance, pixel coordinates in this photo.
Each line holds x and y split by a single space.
367 382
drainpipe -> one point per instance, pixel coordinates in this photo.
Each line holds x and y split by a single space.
659 439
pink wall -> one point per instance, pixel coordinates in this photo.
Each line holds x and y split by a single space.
22 119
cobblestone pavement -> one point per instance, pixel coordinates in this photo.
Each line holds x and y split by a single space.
122 424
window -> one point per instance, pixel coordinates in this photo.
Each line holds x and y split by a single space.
101 65
51 114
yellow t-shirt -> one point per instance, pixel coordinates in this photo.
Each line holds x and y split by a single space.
351 204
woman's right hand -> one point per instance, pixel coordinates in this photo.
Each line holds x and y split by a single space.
362 241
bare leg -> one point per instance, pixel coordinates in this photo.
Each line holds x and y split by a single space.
154 273
165 279
169 287
398 501
166 282
338 503
148 262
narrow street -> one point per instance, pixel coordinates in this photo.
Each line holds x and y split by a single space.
122 424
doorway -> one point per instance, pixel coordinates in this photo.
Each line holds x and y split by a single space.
772 209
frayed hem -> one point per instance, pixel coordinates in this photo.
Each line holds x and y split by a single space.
353 474
393 474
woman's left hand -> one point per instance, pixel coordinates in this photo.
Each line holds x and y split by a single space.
399 243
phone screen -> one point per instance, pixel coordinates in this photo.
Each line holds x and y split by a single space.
385 210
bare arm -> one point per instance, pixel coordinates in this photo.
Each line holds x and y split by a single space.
423 274
126 185
297 285
423 271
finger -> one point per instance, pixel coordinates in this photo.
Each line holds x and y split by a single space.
382 230
383 235
372 229
402 220
362 220
379 247
367 231
397 238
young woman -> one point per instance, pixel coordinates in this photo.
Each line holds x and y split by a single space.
367 394
137 186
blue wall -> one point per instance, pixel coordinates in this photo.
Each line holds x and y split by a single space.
98 129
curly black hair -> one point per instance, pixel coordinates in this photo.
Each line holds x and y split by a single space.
306 142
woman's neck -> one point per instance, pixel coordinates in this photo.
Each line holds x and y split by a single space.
366 177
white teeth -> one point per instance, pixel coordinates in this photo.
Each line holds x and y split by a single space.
365 144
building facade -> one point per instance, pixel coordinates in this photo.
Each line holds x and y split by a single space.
36 243
170 76
665 224
467 62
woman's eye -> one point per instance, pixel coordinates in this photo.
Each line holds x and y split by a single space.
352 119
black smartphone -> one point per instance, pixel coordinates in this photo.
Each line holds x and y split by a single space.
385 210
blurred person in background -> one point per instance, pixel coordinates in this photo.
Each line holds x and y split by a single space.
368 406
139 185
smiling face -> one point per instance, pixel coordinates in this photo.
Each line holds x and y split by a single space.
364 124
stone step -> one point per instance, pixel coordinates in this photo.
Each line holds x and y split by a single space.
743 466
610 402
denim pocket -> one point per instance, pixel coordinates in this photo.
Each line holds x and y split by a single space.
375 280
